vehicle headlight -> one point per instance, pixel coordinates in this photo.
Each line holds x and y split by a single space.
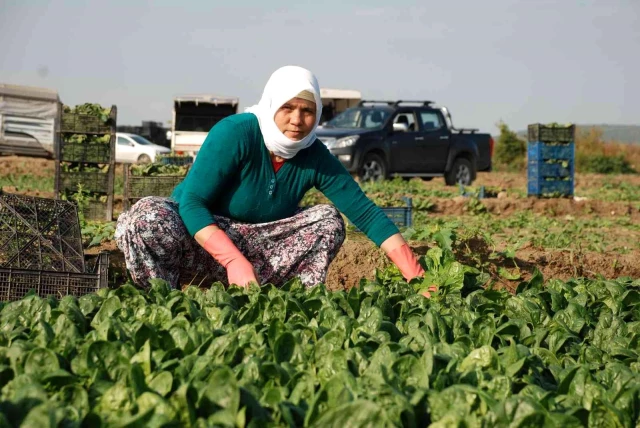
328 141
346 141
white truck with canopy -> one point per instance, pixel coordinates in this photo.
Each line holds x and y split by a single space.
335 101
194 116
29 119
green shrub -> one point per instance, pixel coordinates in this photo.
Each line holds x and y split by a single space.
602 164
510 151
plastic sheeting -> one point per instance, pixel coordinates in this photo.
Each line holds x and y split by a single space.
27 114
28 108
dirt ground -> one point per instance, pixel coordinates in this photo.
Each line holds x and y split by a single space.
559 207
359 258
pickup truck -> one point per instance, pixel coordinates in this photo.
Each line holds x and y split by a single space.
379 139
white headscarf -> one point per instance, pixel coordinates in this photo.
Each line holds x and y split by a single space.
283 85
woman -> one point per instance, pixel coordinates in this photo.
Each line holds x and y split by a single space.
236 216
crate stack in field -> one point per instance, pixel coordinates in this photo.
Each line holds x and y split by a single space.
86 159
157 179
550 160
41 250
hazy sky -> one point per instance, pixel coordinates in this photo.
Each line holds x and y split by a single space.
521 61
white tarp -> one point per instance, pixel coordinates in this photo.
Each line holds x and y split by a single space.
28 108
342 94
27 101
28 114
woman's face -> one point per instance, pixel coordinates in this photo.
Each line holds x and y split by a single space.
296 118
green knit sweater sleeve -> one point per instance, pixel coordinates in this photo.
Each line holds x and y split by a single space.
218 161
335 182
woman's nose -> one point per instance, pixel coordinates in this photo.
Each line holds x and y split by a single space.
295 117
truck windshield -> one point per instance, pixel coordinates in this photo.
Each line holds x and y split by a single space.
195 123
357 118
200 117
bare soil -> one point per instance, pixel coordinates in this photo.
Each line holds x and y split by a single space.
359 258
555 207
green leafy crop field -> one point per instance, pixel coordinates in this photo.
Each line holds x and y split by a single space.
536 323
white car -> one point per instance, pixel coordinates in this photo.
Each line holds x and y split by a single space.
132 148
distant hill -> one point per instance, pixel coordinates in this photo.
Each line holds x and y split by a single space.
619 133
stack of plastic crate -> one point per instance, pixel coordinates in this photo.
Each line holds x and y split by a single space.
550 160
41 250
86 162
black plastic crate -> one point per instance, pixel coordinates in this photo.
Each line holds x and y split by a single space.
39 233
89 181
74 123
16 283
86 152
138 187
96 210
551 134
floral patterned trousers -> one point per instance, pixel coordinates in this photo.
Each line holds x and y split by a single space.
156 244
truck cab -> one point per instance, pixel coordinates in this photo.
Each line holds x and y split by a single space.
194 116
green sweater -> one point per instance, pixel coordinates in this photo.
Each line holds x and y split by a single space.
233 177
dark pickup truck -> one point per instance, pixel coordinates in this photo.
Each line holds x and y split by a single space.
379 139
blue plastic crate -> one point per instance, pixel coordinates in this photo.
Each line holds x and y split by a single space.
466 194
176 160
544 187
544 169
538 151
400 216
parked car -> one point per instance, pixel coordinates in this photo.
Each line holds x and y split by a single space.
379 139
132 148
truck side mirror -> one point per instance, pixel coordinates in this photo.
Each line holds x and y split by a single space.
400 127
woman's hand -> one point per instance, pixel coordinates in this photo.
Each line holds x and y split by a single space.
241 272
401 255
216 242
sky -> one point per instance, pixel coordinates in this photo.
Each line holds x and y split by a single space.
517 61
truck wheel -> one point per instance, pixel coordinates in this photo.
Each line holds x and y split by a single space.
373 168
462 172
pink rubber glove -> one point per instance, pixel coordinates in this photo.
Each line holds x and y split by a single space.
407 263
239 270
